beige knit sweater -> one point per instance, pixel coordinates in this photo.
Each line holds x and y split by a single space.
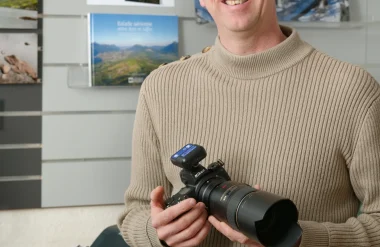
292 119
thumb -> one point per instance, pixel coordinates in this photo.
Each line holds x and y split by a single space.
157 200
257 187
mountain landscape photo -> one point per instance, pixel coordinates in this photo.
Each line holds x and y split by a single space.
115 65
125 48
18 14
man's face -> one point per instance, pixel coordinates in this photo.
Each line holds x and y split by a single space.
239 15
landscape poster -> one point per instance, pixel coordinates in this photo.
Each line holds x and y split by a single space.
313 10
19 14
143 3
125 48
19 58
297 10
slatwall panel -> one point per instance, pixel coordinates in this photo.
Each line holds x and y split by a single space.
92 127
58 97
82 136
20 162
86 133
21 133
21 98
84 182
85 130
20 194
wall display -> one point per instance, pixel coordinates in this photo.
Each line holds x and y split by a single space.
20 14
19 58
297 10
144 3
125 48
313 10
202 15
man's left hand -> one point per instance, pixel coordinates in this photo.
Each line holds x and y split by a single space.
233 235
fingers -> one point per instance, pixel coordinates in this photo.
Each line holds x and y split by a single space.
166 216
257 187
226 230
198 238
184 221
157 200
231 234
191 230
217 224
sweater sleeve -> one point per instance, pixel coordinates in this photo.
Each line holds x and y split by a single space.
364 170
146 174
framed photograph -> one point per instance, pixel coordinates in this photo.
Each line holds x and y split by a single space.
125 48
19 14
202 15
142 3
297 10
20 62
313 10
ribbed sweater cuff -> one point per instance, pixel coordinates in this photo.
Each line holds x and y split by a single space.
152 234
314 234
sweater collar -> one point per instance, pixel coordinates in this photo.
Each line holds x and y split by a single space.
262 64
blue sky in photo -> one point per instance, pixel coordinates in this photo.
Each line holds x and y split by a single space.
164 29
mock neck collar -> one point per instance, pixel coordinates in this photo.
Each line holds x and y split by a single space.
262 64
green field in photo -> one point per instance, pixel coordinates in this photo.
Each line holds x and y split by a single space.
20 4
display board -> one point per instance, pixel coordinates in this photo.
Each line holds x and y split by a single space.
79 139
21 67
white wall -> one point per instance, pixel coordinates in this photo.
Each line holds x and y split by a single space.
91 166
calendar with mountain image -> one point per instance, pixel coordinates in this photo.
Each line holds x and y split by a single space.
125 48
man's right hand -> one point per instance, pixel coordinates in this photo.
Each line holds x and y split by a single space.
182 225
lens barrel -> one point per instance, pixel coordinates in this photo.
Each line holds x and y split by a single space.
262 216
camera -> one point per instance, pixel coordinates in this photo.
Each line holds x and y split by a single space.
265 217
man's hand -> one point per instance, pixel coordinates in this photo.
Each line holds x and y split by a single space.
233 235
181 225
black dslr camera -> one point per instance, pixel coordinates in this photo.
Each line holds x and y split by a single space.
265 217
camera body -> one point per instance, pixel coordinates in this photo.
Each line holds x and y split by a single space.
194 181
194 175
265 217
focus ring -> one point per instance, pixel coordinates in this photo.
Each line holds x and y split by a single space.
234 201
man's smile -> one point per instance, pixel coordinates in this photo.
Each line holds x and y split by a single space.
234 2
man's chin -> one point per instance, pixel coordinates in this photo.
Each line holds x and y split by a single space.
238 27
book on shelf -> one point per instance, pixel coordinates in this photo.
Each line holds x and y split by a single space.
296 11
125 48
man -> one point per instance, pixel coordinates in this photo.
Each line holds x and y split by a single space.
279 113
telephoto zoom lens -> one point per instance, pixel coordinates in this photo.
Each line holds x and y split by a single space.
259 215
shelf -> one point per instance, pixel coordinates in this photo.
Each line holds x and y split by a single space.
78 76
